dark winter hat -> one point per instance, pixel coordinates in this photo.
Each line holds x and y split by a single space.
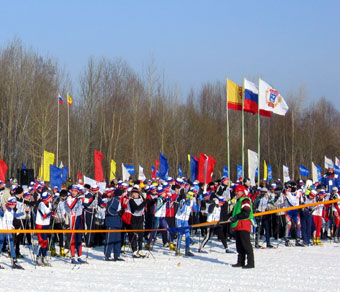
135 190
63 193
19 190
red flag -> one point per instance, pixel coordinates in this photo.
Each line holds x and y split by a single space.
154 173
98 169
210 169
206 166
3 170
80 176
202 167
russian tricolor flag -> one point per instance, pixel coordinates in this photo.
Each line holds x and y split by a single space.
251 99
60 99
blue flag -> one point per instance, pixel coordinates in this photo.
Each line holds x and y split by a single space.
180 172
24 165
157 172
193 168
270 172
239 171
130 169
336 170
319 172
56 177
163 166
304 171
225 171
64 173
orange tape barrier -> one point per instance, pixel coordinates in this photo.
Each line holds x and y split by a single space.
49 231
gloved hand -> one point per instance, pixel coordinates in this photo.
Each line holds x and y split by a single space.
233 219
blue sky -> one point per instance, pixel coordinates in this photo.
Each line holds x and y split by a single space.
288 43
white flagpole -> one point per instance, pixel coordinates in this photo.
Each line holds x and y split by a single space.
258 137
68 138
228 149
57 134
243 96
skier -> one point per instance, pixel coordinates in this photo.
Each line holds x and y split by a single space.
241 224
216 210
7 214
293 198
42 221
136 205
112 222
59 217
182 218
74 205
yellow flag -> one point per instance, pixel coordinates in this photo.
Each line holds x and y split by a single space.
41 171
113 170
189 158
48 160
265 171
69 99
234 96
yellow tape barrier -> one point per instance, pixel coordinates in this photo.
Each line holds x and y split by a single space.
163 229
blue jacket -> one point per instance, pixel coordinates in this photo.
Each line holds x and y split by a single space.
330 182
112 218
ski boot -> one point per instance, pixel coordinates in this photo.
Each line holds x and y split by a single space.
188 253
1 267
318 242
15 265
45 262
62 253
74 261
299 243
178 252
287 243
53 252
136 255
148 246
141 253
39 261
172 246
81 261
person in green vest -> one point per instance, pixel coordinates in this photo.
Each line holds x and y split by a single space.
241 225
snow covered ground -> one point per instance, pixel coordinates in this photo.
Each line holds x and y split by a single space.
290 269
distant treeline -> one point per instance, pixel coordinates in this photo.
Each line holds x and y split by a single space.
131 117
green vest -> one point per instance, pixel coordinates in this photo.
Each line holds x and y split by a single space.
237 210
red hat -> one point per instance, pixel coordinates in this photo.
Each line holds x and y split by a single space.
240 188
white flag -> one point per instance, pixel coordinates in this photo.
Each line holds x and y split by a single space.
92 183
253 163
271 100
286 176
314 173
337 161
141 175
328 163
126 174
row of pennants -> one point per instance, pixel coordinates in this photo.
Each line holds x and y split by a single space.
200 169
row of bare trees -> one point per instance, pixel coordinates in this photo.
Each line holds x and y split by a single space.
131 117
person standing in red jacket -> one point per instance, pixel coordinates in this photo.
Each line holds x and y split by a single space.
241 225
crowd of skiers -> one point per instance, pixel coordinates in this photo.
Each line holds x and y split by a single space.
171 205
